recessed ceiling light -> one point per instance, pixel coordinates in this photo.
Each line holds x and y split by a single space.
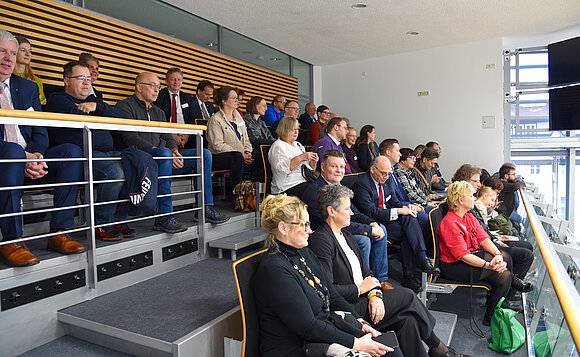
412 33
359 5
211 44
275 59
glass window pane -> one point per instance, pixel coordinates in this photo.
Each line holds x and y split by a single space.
246 49
155 15
302 71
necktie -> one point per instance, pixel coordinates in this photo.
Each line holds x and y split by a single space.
9 129
347 166
174 109
381 197
204 111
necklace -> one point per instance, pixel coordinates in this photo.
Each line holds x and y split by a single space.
315 282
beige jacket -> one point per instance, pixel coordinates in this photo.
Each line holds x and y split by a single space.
221 136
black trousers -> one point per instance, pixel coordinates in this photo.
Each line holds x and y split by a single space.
405 315
500 283
522 256
233 161
297 190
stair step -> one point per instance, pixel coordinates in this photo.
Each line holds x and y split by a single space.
238 241
174 311
68 346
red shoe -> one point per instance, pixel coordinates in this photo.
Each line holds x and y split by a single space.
64 244
17 255
108 234
125 230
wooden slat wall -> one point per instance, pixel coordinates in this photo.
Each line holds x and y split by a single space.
59 32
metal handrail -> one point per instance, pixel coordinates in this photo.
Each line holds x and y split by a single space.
565 290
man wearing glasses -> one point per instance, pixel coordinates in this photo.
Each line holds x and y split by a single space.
318 128
275 111
373 197
76 99
337 130
18 141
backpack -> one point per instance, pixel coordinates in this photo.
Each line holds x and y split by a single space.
507 333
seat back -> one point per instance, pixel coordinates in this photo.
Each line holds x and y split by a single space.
350 179
435 217
244 271
264 149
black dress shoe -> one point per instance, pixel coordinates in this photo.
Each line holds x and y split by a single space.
450 353
411 282
425 266
506 304
515 296
521 286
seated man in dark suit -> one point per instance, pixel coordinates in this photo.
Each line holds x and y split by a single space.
375 199
369 235
307 118
396 309
31 142
202 107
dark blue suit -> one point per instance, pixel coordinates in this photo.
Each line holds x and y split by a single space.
305 121
374 252
189 107
196 109
397 188
405 229
24 95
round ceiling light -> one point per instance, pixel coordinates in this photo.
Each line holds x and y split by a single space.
359 5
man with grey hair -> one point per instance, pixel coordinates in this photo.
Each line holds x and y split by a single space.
396 309
369 235
19 141
375 198
92 62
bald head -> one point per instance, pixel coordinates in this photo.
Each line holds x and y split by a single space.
380 169
147 87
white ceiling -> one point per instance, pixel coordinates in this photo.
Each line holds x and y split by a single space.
325 32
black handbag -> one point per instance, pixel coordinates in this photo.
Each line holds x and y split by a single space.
309 174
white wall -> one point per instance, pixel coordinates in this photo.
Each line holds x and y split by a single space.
383 92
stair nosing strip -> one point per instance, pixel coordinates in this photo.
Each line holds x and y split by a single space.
116 332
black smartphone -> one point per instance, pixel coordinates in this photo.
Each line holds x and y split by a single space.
388 339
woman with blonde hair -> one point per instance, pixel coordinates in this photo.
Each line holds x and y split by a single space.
294 296
469 255
287 156
23 67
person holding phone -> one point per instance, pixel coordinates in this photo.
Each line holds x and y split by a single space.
397 309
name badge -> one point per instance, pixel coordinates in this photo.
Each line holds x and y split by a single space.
387 198
185 105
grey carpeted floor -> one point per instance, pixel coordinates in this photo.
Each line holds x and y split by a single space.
67 346
169 306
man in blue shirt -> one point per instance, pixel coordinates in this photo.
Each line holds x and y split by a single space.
275 110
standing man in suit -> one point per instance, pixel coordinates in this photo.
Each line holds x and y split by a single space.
31 142
180 107
369 235
396 309
375 199
202 107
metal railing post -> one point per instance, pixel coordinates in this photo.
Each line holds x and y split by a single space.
90 199
201 198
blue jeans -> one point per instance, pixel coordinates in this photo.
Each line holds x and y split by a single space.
109 170
374 253
165 169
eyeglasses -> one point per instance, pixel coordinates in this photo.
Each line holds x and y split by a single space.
475 181
384 173
302 225
234 98
293 108
152 85
413 158
82 78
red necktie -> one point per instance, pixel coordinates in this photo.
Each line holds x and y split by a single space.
347 166
381 197
174 109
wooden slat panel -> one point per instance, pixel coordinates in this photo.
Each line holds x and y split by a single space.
60 32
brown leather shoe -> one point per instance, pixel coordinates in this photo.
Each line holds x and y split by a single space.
385 285
17 255
64 244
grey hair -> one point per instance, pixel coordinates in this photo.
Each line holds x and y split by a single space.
330 195
7 36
